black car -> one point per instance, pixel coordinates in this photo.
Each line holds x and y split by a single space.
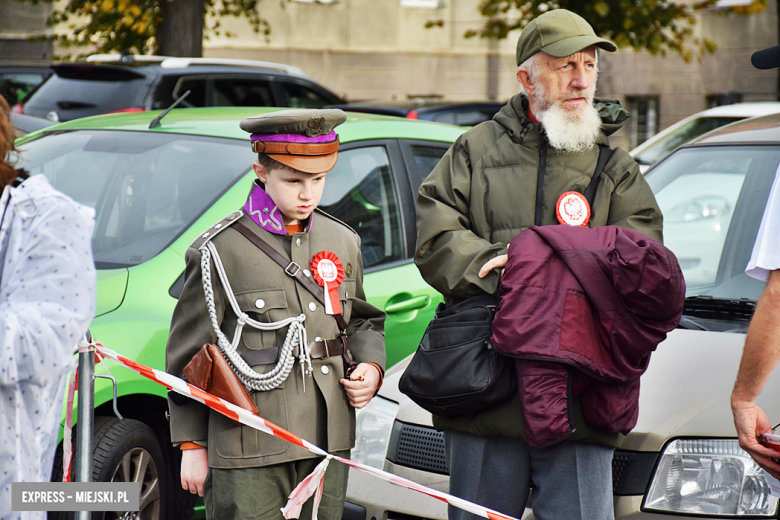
460 114
17 80
114 83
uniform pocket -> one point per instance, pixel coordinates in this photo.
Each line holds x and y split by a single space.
235 441
265 306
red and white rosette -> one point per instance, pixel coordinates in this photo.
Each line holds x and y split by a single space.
328 272
572 208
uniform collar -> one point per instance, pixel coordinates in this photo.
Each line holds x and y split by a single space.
262 209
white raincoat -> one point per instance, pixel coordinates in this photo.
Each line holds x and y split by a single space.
47 300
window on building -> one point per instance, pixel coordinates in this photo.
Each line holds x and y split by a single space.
317 1
644 123
716 100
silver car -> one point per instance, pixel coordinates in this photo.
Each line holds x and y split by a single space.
682 460
664 142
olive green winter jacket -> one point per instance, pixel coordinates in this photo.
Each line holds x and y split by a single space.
483 194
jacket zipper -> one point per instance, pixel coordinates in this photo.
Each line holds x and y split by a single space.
540 179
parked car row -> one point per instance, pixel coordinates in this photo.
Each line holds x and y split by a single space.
429 109
155 190
689 128
126 84
110 83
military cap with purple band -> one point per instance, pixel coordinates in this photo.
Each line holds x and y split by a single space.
304 140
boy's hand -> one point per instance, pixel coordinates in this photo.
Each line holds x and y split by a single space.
194 468
361 385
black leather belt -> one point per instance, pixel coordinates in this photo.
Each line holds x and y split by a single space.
270 356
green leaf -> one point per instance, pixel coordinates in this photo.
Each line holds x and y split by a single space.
657 26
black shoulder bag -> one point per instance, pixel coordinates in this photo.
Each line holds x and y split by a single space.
455 370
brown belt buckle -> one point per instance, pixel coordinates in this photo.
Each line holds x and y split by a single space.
292 269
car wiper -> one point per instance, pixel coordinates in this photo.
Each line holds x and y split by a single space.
686 322
711 308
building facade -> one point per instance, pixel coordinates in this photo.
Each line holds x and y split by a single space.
20 25
369 49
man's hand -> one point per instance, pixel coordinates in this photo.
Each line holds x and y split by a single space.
194 468
361 385
499 261
759 358
751 421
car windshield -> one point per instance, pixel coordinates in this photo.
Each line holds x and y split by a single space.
680 136
712 199
146 188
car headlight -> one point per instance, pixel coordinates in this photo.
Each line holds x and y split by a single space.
374 423
709 476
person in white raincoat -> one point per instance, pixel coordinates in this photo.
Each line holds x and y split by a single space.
47 300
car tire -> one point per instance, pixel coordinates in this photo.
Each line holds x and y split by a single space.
124 451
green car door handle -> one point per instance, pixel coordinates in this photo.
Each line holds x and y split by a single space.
408 305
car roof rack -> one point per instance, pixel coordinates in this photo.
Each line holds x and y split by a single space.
124 58
168 62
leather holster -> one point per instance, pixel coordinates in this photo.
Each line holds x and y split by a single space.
209 371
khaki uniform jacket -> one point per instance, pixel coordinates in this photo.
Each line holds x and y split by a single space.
322 413
483 194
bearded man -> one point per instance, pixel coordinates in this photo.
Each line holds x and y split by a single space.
498 179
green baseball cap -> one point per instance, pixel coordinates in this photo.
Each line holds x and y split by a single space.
559 33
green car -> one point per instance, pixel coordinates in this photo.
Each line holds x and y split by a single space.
155 190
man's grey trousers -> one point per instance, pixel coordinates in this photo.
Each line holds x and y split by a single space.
571 480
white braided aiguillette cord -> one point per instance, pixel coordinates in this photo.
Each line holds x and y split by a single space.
296 332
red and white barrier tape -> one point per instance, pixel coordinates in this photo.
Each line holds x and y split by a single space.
67 443
312 484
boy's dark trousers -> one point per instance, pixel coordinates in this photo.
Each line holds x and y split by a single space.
260 493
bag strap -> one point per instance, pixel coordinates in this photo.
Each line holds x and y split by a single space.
605 153
291 268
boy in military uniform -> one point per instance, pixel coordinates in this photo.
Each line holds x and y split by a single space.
281 341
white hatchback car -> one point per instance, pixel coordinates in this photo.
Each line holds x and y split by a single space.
693 126
682 460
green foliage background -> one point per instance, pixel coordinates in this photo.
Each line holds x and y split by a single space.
131 26
657 26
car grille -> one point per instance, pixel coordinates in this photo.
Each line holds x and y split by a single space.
632 471
620 462
422 448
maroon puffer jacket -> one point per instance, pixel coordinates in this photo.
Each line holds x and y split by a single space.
582 309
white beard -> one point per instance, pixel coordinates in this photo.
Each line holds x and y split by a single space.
569 132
